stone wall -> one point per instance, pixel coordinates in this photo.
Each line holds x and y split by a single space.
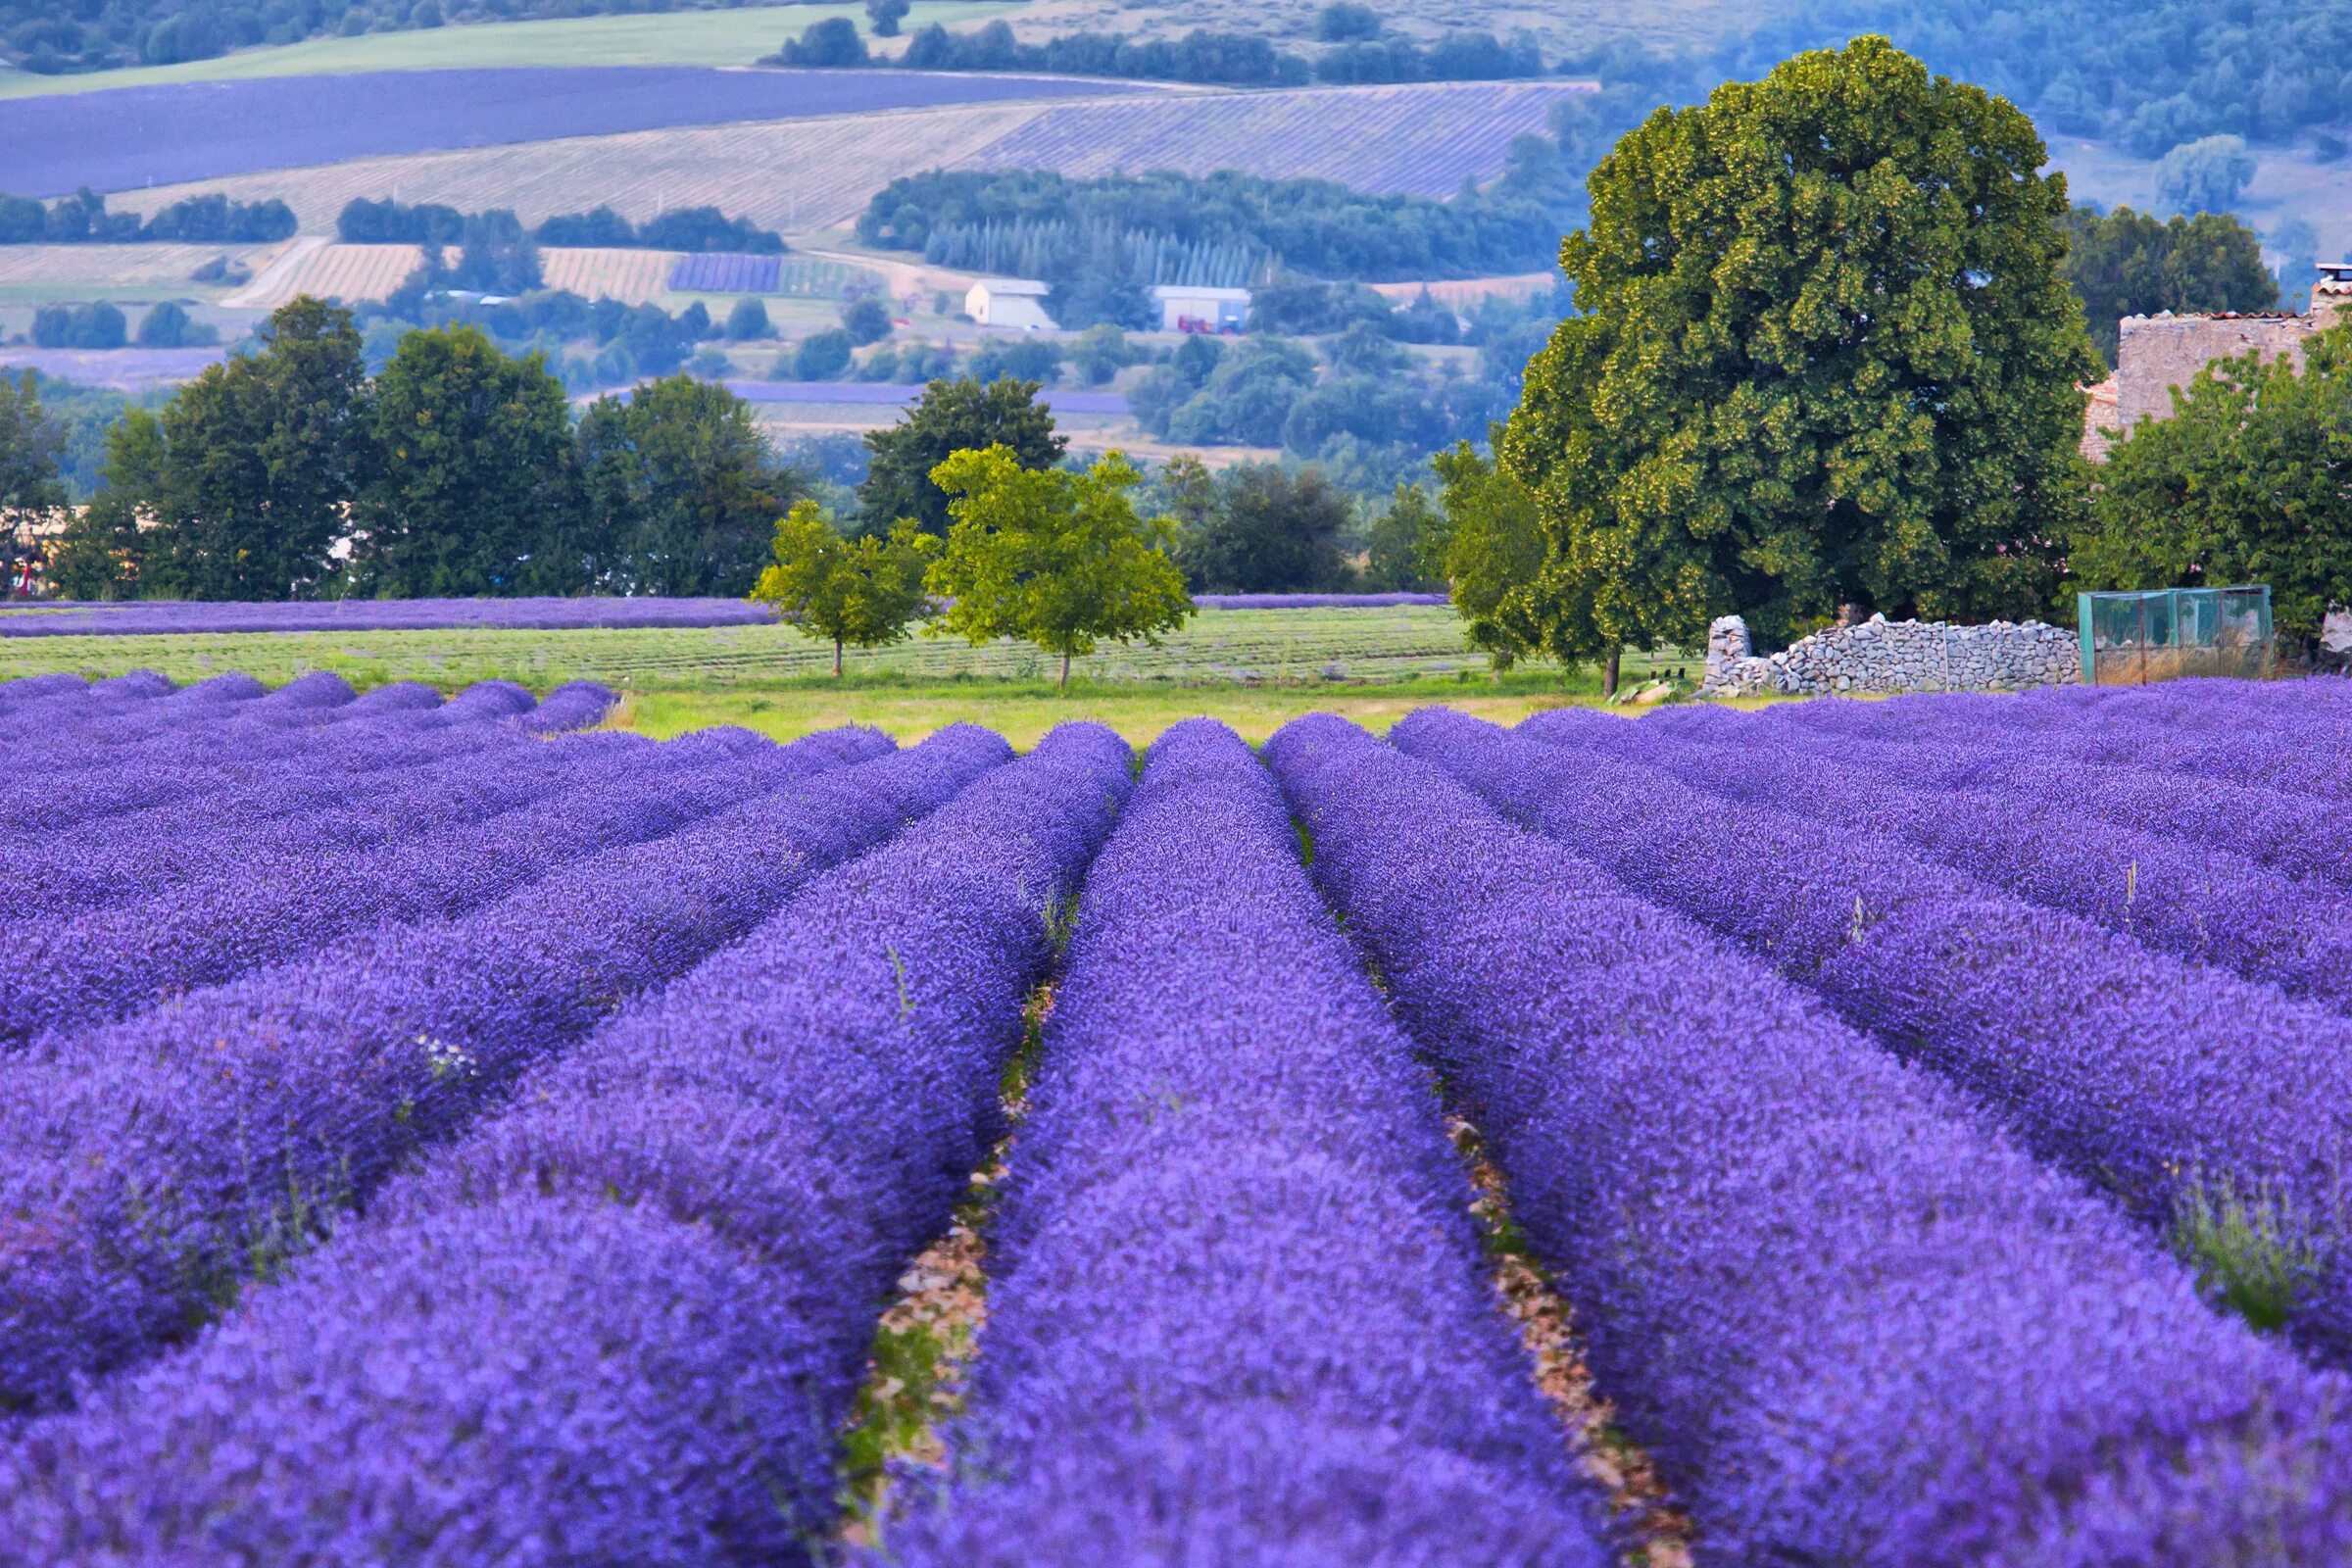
2163 351
1885 657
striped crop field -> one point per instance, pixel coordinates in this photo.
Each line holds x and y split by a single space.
631 276
804 175
1421 140
352 274
439 1131
99 270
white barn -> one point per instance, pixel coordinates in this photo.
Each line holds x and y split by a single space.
1018 302
1186 308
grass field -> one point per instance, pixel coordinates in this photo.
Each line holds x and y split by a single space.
731 38
1254 668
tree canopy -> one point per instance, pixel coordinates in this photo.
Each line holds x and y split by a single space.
951 417
1825 353
679 490
2250 481
1054 558
2129 264
1270 531
30 486
471 450
859 592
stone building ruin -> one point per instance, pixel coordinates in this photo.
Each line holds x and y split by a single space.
2163 351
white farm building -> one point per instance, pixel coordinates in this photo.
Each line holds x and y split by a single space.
1017 302
1186 308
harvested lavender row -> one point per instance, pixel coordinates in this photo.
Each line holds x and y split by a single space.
2203 904
1236 1308
621 1322
1852 1323
158 1163
290 809
2196 1097
2300 834
116 959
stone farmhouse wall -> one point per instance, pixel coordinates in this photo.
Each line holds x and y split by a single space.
1886 657
2158 353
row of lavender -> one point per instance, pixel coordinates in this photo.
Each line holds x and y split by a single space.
135 618
618 1307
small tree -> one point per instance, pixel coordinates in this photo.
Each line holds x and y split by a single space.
886 14
2246 482
951 417
1059 559
859 593
29 487
1489 547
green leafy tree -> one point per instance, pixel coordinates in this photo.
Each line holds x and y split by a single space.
262 454
30 487
473 457
1396 545
2130 264
885 16
2205 175
749 321
1057 558
861 593
1270 532
951 417
103 552
2250 481
1487 544
679 490
866 321
1826 354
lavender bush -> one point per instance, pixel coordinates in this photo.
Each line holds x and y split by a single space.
2206 1104
2042 844
1851 1323
112 961
154 1175
141 619
1236 1312
620 1323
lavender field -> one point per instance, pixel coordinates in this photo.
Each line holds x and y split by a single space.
1904 1134
130 137
133 618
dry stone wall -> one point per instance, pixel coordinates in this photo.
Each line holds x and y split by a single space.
1885 657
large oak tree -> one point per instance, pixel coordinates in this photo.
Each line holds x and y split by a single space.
1824 353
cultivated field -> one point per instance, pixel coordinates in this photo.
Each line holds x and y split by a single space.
119 272
141 138
811 173
733 37
1225 646
1708 1139
632 276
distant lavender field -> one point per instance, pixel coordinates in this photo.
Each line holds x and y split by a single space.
892 394
371 615
133 136
1311 601
57 618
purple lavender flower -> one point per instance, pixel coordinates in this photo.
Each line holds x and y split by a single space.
1236 1312
1850 1321
622 1321
150 1175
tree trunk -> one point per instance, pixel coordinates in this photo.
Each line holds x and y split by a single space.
837 659
1609 675
1065 673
